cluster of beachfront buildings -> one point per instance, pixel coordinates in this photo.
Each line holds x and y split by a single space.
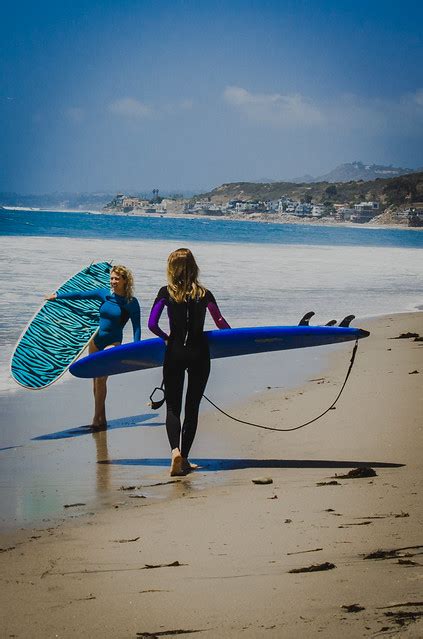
135 205
283 206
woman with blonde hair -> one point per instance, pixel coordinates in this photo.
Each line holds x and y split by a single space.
187 349
118 306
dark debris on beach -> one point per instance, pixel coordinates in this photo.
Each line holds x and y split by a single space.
358 473
165 633
395 553
314 568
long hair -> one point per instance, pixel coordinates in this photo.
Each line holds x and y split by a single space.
128 280
182 276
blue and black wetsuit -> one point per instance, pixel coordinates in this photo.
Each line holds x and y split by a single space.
114 312
187 350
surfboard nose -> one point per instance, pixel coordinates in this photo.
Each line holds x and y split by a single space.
363 333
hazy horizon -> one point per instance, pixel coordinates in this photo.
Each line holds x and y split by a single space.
184 96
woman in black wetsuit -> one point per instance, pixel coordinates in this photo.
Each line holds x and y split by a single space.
187 349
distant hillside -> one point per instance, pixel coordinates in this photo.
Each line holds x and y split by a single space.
402 191
348 172
355 171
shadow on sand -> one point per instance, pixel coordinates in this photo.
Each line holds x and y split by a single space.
123 422
208 465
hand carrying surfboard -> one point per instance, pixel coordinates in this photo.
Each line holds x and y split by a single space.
59 331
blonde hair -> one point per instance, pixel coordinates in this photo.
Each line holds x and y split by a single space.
128 279
182 276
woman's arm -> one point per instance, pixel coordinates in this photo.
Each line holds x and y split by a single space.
153 320
135 315
214 311
78 295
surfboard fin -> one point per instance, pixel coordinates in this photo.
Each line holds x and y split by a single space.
331 323
306 318
346 321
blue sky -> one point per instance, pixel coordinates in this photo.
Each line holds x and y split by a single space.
107 96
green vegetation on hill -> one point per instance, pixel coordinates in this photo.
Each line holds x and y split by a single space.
402 191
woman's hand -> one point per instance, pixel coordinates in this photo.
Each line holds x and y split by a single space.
50 297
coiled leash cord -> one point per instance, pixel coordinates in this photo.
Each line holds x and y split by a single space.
156 405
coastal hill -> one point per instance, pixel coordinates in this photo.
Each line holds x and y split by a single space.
395 192
350 172
355 171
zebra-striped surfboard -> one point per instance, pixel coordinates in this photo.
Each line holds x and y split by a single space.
59 331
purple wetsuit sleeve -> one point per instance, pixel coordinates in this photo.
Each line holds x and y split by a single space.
153 320
217 315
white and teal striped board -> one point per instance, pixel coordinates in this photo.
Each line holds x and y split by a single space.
59 331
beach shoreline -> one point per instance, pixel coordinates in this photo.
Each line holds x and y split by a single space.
258 218
226 545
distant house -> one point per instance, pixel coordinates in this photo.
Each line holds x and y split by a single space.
346 213
415 217
203 207
116 203
232 204
365 211
317 210
284 203
303 210
126 204
364 207
250 206
129 204
173 206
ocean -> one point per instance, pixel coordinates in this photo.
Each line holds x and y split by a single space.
260 273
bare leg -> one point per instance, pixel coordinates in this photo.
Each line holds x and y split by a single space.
100 393
173 376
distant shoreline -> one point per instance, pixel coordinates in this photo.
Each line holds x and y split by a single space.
259 218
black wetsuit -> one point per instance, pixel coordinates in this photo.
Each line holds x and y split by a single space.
187 350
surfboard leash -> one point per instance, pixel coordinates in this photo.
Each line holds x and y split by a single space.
286 430
157 404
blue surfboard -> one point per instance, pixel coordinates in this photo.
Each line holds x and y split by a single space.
232 342
59 331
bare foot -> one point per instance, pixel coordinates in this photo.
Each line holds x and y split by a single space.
188 466
176 464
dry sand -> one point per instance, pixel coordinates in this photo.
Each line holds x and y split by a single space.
212 558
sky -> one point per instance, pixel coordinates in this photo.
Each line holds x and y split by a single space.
189 94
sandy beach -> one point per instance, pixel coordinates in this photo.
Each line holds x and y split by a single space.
212 554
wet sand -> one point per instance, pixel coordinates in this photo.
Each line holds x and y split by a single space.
211 553
49 453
